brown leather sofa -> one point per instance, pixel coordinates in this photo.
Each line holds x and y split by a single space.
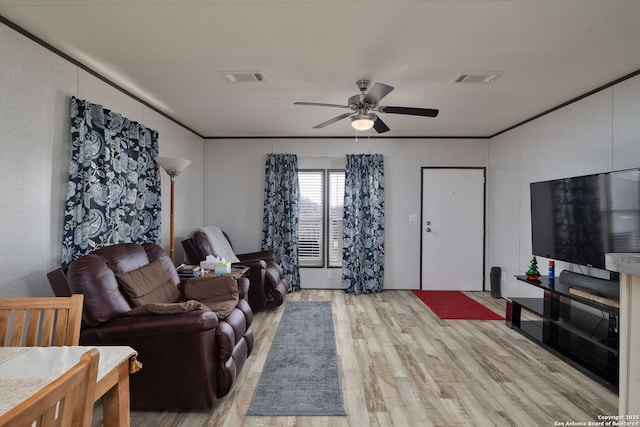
189 359
266 276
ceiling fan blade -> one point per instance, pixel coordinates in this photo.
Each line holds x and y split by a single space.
330 121
319 104
376 93
425 112
380 126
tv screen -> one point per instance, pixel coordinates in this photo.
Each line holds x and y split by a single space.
580 219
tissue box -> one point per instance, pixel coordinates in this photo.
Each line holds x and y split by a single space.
223 268
207 265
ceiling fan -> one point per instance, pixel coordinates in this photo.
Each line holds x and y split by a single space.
363 103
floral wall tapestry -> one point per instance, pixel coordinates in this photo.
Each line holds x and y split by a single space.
114 182
363 226
281 214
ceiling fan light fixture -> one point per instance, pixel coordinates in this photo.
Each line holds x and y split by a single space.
362 122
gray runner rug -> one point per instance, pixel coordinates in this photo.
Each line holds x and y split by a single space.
301 376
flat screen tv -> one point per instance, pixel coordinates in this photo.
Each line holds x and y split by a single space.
580 219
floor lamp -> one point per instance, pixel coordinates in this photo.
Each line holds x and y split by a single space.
173 167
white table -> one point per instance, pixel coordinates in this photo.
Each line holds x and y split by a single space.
25 370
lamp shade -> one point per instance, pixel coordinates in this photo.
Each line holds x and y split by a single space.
172 165
362 122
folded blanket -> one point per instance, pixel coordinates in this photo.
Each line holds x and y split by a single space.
219 243
167 308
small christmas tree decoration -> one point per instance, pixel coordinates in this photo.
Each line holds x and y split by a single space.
533 273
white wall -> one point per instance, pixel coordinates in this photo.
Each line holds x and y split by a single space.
234 185
224 184
599 133
35 88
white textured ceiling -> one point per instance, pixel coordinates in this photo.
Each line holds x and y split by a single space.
171 54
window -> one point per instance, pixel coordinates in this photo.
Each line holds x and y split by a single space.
320 224
334 217
311 222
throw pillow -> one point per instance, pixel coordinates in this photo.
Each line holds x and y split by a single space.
219 293
149 284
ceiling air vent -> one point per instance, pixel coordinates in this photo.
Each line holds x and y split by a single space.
476 77
244 76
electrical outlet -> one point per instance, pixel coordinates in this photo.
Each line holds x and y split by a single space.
504 276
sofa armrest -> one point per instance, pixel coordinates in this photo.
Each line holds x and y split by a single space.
268 255
243 288
251 263
125 328
58 281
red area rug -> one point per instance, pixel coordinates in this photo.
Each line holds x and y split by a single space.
454 305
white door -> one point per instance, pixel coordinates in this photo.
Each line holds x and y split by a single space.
452 229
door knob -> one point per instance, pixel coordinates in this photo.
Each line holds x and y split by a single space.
428 229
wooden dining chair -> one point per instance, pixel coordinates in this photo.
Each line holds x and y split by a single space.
40 321
67 401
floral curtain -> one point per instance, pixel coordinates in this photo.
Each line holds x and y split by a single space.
114 182
281 215
363 227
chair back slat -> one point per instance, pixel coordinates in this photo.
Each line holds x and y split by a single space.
4 331
17 330
32 317
48 325
40 321
61 330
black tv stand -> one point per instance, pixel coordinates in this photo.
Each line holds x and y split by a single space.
581 331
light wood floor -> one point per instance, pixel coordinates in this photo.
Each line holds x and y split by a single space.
402 366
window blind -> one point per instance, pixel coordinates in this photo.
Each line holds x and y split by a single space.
336 208
311 223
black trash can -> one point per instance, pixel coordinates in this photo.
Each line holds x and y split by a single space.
495 276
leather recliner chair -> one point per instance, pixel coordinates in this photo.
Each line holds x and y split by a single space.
266 276
189 359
